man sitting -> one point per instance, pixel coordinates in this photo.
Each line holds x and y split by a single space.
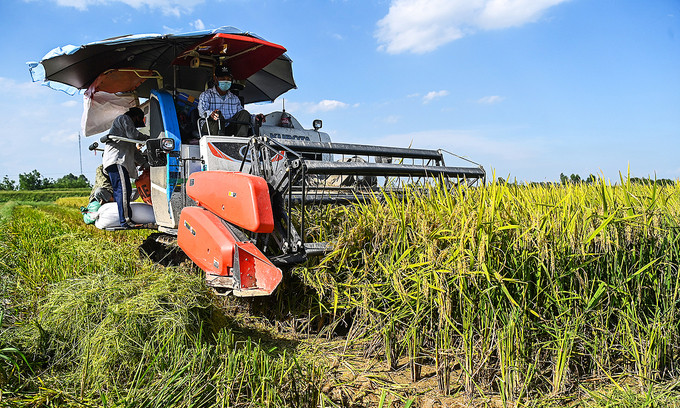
222 109
102 190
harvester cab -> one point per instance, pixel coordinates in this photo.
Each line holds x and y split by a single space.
237 206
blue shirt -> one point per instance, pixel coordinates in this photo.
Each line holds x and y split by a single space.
229 104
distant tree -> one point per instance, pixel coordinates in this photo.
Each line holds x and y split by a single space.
575 178
83 182
7 184
71 181
32 181
500 180
543 183
563 179
591 179
650 181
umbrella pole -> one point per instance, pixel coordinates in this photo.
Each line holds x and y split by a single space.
174 82
174 75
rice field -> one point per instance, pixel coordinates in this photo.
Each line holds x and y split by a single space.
504 295
520 293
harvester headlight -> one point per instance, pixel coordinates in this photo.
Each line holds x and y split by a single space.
167 144
317 124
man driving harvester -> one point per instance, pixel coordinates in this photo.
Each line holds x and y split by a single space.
222 109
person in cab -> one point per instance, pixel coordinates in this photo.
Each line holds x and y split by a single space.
223 110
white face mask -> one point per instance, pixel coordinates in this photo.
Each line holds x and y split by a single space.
224 85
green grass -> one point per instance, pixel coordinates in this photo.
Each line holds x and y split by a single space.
41 195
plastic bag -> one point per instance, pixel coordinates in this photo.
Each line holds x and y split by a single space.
90 212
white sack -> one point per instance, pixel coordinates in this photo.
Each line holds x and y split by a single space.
107 216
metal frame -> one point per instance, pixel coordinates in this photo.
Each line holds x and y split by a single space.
298 178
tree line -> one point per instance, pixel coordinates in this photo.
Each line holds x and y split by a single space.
591 179
35 181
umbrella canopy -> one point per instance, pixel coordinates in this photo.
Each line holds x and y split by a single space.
179 59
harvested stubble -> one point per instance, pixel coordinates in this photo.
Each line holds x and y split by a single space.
522 292
99 327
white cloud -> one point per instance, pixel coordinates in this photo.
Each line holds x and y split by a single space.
44 125
78 4
198 24
392 119
512 13
59 137
171 11
171 30
421 26
326 105
490 100
168 7
18 89
432 95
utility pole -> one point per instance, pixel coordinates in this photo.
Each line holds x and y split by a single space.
80 154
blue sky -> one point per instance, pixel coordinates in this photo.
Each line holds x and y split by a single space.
528 88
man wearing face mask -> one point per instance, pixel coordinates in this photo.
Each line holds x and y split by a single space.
222 109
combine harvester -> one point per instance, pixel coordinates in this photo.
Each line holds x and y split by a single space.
236 206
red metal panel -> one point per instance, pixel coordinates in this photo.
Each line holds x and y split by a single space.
205 239
208 242
257 272
242 199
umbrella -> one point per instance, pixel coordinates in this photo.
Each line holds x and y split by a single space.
179 59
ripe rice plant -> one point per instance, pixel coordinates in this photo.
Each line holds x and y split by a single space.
514 290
